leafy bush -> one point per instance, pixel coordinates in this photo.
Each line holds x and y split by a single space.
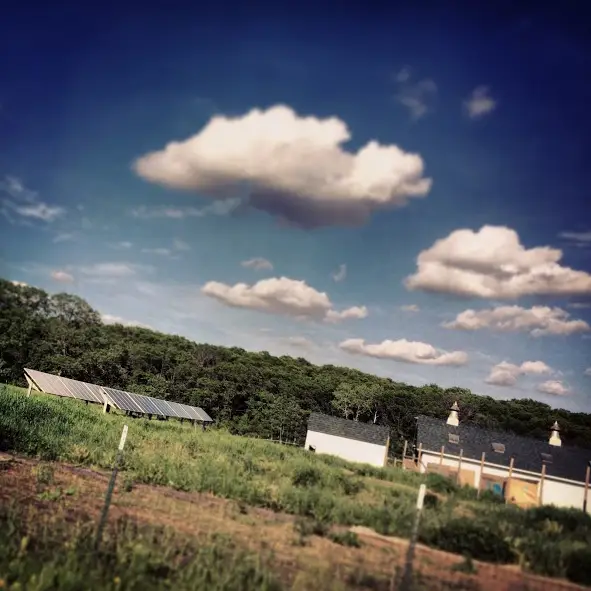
469 538
346 538
441 484
578 566
306 476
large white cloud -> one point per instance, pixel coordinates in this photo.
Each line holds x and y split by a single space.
538 320
406 351
555 387
492 263
284 296
290 166
507 374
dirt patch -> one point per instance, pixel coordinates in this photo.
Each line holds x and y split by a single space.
303 563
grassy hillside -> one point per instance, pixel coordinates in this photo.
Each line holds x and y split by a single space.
249 393
323 491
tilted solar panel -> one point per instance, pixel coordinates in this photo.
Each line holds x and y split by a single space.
152 409
48 383
180 409
203 415
79 390
94 391
167 408
122 400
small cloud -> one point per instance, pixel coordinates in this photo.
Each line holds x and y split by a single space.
340 273
507 374
217 208
479 103
64 237
110 319
417 97
62 276
410 308
555 387
112 270
579 305
19 200
282 296
124 244
405 351
258 264
580 239
157 251
587 372
180 245
300 342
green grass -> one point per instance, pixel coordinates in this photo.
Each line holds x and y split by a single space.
41 552
322 489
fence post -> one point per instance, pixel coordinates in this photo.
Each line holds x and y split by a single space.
441 455
459 467
404 452
419 458
541 489
103 519
587 474
481 474
508 483
406 580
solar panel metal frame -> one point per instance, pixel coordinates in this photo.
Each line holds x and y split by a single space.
149 403
79 390
121 399
49 383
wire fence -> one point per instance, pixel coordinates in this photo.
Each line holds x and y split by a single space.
111 506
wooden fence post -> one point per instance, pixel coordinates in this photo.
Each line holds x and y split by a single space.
510 475
441 455
459 466
419 458
542 479
586 493
481 474
404 452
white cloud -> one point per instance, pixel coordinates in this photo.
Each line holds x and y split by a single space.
62 276
283 296
300 342
581 239
587 372
492 263
538 321
157 251
258 264
289 166
112 270
579 305
218 208
405 351
64 237
180 245
555 387
110 319
410 308
417 97
15 198
479 103
340 274
507 374
124 244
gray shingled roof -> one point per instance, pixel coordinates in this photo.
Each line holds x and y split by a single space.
367 432
566 462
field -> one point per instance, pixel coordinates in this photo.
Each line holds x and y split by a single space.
196 510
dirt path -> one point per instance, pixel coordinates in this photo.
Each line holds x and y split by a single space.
269 534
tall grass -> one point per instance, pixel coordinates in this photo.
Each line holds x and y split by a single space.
289 479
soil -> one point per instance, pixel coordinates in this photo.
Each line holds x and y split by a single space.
269 534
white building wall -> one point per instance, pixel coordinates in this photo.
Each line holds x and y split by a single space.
348 449
555 492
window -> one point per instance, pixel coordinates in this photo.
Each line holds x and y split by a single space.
499 448
454 438
546 458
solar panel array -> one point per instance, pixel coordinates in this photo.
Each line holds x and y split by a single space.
127 401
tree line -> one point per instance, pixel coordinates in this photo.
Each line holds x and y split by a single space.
250 393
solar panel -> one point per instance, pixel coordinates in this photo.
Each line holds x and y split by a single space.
79 390
167 408
180 410
204 416
94 391
48 383
122 400
148 402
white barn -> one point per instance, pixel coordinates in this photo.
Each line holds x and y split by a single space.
524 470
351 440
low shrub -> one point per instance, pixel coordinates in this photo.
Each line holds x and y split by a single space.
469 538
346 538
306 476
578 566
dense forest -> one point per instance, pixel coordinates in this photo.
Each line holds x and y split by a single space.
250 393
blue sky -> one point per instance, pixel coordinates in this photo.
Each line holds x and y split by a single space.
403 191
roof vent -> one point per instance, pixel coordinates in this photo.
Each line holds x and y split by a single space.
454 438
453 415
499 448
555 435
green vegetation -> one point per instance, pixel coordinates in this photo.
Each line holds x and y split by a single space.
322 491
42 553
248 393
